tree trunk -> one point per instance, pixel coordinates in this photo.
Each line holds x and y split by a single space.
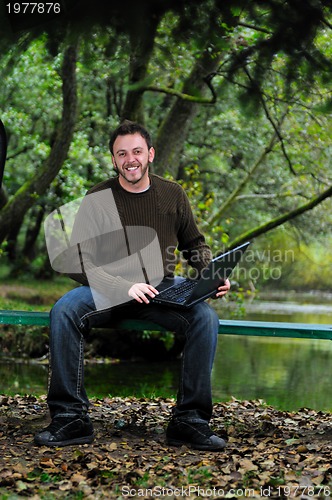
32 233
142 38
174 129
26 196
11 247
3 197
3 150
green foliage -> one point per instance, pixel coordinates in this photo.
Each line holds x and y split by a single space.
223 168
298 265
23 108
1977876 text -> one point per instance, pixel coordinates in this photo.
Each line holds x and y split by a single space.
33 8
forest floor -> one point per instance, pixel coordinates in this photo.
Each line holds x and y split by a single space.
270 453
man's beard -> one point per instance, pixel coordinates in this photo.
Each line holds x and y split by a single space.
132 181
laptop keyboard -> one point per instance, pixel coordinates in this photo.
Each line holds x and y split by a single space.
179 292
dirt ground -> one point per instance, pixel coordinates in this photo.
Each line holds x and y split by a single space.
270 454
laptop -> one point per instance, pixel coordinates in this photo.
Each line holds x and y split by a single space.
189 292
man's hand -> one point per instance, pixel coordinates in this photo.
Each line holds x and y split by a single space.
139 292
223 289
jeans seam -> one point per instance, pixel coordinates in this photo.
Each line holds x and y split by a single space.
178 317
80 369
90 314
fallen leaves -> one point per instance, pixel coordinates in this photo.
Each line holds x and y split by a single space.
269 453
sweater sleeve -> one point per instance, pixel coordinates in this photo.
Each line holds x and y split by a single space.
192 242
101 257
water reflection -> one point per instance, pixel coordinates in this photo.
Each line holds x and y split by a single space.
286 373
23 378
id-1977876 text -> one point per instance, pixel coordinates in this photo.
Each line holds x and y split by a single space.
33 8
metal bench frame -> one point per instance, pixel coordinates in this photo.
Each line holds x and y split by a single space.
226 327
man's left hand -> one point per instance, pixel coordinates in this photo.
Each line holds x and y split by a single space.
223 289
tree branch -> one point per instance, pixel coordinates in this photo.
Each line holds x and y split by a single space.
187 97
270 119
278 221
267 195
255 28
214 219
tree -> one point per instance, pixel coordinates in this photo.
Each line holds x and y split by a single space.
238 52
12 214
3 150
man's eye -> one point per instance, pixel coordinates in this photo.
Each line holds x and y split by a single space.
138 151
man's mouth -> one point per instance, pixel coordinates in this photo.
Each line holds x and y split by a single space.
132 169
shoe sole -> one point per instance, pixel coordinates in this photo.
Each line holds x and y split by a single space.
202 447
67 442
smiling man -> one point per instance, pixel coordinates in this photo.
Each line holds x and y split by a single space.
136 199
131 157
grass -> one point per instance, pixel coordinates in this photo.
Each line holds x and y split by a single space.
29 294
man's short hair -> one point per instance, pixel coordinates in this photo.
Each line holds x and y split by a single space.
128 127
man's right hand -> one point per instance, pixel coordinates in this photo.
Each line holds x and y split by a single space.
139 292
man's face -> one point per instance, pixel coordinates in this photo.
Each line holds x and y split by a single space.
131 158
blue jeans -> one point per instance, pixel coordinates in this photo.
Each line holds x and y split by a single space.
75 314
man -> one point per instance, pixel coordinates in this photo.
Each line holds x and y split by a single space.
135 198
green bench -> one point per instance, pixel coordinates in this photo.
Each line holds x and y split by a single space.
226 327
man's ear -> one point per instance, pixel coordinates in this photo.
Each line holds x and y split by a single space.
151 154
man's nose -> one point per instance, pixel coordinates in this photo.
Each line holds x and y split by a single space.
131 157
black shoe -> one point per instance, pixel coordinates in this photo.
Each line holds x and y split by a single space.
195 435
63 431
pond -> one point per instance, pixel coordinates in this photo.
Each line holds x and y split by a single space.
286 373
